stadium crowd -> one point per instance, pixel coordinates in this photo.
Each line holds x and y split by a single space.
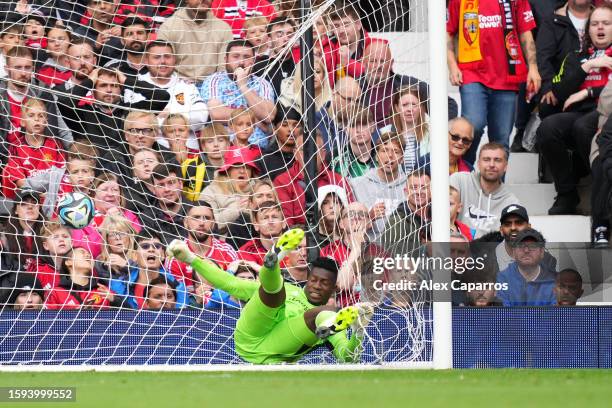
186 121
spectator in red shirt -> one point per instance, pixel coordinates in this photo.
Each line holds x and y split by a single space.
199 223
77 288
34 30
56 69
488 69
38 152
56 243
349 40
269 223
290 185
332 200
460 138
241 124
455 208
14 92
235 12
78 175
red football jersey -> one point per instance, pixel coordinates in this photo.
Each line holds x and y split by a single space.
220 253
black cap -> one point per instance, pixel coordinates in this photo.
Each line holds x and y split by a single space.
25 282
38 16
27 193
529 233
514 209
285 113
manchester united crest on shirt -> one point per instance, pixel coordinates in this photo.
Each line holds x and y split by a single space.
180 98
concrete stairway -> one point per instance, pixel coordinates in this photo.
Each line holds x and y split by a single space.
522 179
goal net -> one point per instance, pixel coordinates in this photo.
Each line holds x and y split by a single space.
199 121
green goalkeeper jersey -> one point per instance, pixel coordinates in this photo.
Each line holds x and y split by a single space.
267 335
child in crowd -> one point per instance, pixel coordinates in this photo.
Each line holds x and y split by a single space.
56 70
77 287
199 171
78 175
56 243
35 153
175 129
241 127
118 253
456 206
34 30
254 31
10 36
269 223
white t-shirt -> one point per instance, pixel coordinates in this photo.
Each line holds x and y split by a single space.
579 24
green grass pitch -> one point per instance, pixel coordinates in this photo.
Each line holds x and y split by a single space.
381 389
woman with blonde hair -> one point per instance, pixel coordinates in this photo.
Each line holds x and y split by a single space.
118 252
291 88
409 118
229 192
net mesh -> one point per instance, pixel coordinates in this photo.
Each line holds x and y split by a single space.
144 108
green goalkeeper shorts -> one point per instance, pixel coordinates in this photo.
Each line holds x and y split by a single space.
264 335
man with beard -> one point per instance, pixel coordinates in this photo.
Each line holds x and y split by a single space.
95 110
527 281
134 33
100 30
483 192
199 39
19 86
185 99
81 61
236 87
200 224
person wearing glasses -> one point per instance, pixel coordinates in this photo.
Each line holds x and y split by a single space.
528 281
140 131
150 257
460 138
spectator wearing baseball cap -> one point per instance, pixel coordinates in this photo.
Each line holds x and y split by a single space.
230 191
529 281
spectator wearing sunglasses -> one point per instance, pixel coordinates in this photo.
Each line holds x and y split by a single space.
460 139
150 256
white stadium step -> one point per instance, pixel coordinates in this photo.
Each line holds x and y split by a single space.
523 168
562 228
537 198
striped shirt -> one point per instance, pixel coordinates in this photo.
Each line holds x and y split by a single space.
221 87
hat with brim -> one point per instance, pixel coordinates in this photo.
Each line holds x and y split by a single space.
237 156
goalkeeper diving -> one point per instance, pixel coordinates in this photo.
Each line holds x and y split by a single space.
282 322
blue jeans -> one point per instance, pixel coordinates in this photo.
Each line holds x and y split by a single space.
486 107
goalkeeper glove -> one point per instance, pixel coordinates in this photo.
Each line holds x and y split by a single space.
365 313
178 249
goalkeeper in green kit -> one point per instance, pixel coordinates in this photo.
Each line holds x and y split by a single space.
282 322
